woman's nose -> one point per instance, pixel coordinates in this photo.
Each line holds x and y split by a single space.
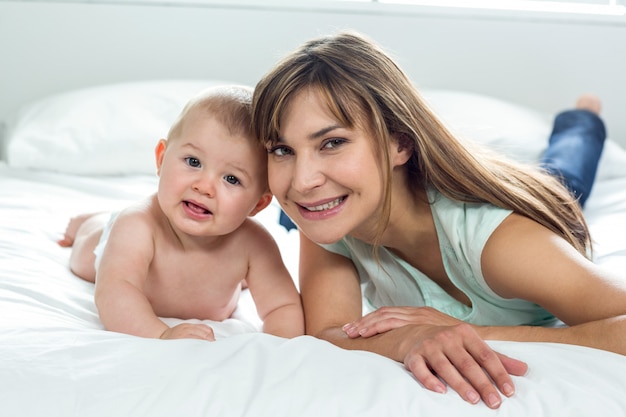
307 174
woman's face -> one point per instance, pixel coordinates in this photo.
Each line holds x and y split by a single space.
325 176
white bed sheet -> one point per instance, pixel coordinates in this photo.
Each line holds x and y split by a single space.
56 359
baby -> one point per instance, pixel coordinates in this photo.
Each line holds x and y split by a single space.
186 251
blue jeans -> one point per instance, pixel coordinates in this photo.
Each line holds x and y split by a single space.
574 151
286 222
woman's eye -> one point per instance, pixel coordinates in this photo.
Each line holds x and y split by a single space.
231 179
192 162
333 143
280 151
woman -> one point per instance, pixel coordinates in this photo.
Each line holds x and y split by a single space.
449 245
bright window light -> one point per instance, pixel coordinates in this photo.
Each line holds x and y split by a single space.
608 8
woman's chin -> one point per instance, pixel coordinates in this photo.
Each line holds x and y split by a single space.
326 238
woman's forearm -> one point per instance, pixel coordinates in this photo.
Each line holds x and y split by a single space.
385 344
606 334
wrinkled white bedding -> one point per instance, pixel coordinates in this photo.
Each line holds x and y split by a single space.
56 359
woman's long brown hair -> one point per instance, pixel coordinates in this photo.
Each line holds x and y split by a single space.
364 87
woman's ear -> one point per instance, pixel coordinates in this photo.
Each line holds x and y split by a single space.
263 202
401 149
159 153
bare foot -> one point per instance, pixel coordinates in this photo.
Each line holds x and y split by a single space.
72 227
590 103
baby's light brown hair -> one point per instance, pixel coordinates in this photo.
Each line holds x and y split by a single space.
231 105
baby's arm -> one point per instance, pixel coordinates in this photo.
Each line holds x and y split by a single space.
275 295
122 305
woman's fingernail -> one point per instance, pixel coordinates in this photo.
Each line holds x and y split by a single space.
473 397
493 400
508 390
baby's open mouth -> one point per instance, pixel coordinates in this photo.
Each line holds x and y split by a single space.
196 208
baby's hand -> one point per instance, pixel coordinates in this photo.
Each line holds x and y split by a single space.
189 331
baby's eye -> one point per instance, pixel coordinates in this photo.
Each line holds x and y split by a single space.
192 162
333 143
280 151
231 179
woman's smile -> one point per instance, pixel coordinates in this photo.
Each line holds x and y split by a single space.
321 211
324 206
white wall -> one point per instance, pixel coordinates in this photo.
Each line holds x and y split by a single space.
541 61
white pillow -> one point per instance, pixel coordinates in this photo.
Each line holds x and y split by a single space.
516 131
104 130
113 129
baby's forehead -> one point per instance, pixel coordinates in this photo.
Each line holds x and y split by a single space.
196 118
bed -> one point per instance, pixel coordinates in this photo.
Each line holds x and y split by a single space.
91 150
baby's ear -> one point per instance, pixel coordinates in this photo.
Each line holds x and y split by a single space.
263 202
159 152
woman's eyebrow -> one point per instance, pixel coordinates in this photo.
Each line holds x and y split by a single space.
324 131
315 135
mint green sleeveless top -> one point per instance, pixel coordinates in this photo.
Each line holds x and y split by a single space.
463 230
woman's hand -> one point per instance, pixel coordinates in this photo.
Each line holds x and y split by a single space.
440 347
458 356
387 318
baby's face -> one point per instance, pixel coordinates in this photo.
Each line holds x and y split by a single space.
210 179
